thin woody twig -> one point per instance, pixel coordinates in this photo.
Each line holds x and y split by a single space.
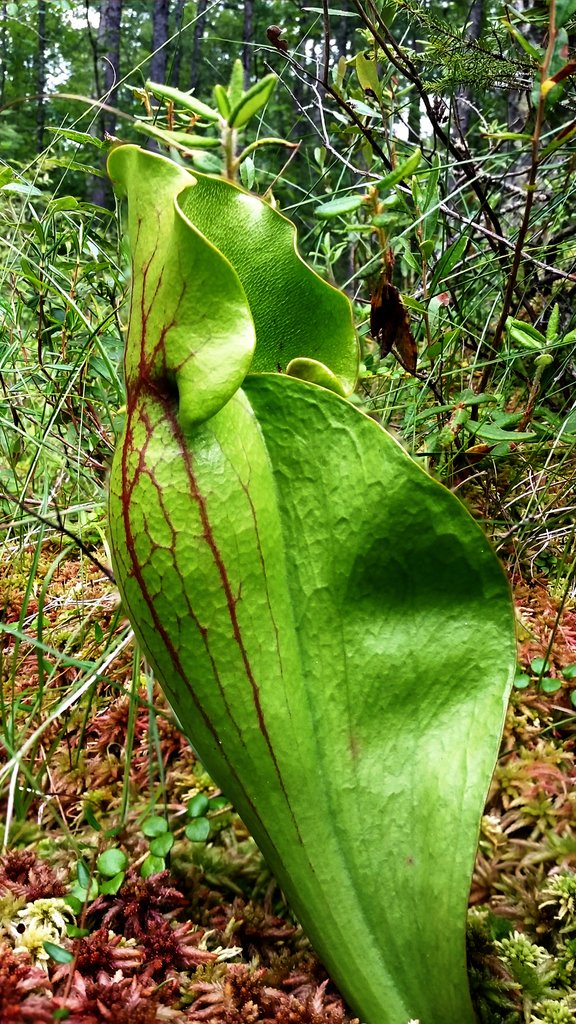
530 190
510 245
406 67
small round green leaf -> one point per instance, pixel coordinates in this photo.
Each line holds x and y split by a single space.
217 803
155 826
111 862
198 830
569 671
198 805
152 866
550 685
337 207
538 665
60 955
162 845
110 888
81 893
522 681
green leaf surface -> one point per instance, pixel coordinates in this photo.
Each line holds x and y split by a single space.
367 72
82 138
329 622
155 826
198 830
338 207
525 334
179 273
177 138
550 685
198 806
92 820
60 955
296 313
182 99
491 432
236 85
399 173
162 845
152 866
252 101
222 101
83 872
111 887
111 862
211 349
315 373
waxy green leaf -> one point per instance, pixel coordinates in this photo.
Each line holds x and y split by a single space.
111 862
329 623
177 138
198 830
252 101
401 172
337 207
182 99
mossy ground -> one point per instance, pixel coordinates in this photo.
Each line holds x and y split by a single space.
211 938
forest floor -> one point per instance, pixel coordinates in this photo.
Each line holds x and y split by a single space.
207 934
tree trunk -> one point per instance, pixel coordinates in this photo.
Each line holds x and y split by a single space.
108 45
3 52
175 73
247 41
463 108
198 33
41 74
160 10
111 42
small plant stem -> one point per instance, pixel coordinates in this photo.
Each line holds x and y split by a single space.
375 209
229 145
404 65
339 99
74 962
425 316
258 145
530 188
